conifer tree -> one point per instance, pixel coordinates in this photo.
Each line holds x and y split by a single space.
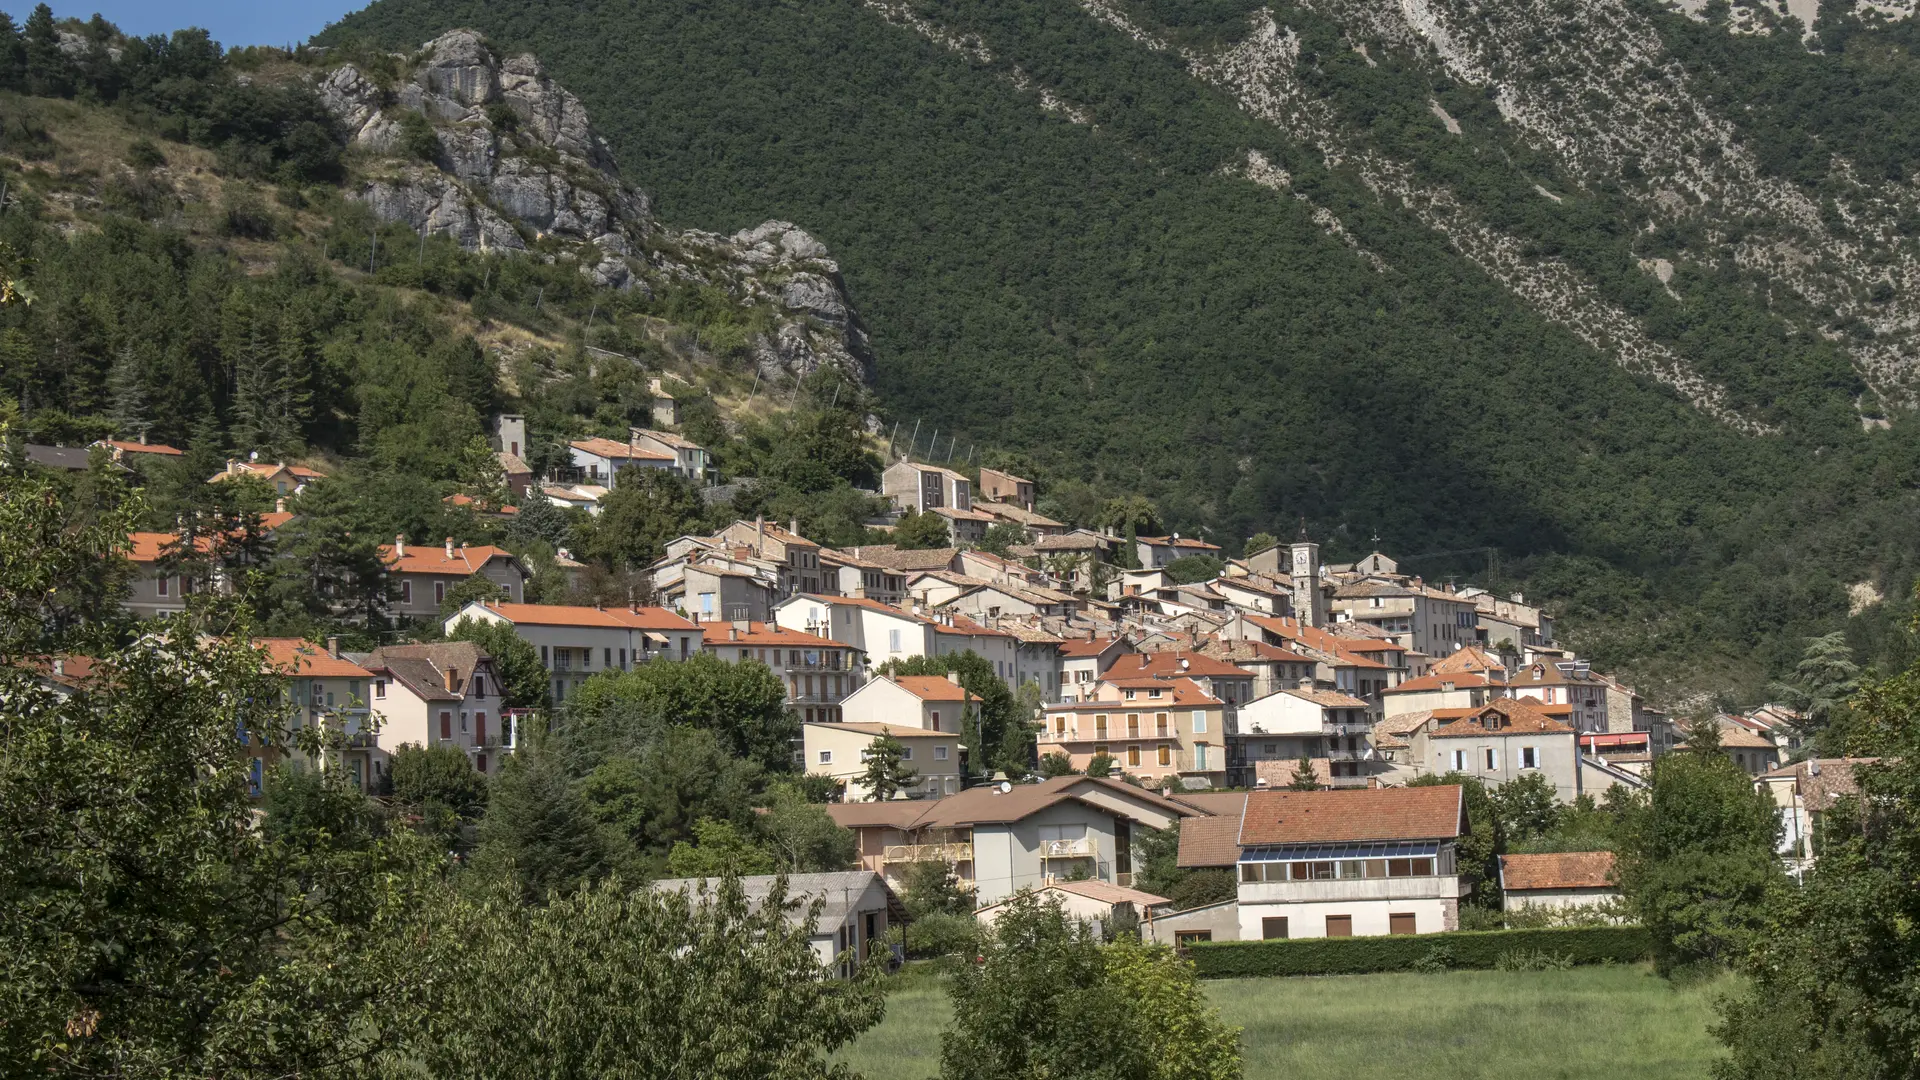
127 387
887 773
48 74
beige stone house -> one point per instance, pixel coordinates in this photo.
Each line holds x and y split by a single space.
1153 728
1577 879
442 694
576 642
926 488
839 751
420 577
819 673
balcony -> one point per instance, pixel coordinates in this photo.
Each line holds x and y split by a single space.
1361 728
907 853
1084 848
1346 755
835 668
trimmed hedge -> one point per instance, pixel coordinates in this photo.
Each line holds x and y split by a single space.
1417 952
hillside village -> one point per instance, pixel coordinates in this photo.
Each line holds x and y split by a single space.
1154 681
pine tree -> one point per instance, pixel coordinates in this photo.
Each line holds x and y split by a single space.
13 55
48 72
127 386
887 773
1303 777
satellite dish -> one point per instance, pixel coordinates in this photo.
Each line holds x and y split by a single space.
1006 786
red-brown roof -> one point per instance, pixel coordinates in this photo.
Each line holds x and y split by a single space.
1333 817
1209 841
761 633
1514 718
433 558
1080 648
933 688
1452 680
459 498
613 618
614 450
1178 542
142 448
1172 665
1560 870
299 657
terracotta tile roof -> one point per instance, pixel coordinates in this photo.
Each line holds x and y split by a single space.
459 498
1080 648
868 603
897 558
898 731
143 448
1174 665
1178 542
1019 515
646 618
1467 658
615 450
1184 692
1563 870
1278 774
963 625
1442 682
299 657
986 805
433 559
1332 817
1214 802
514 464
423 668
932 688
150 547
763 634
666 438
1517 718
1108 893
1254 652
962 515
1209 841
1329 699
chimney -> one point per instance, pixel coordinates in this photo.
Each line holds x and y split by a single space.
953 677
280 505
333 646
759 533
562 553
453 679
733 634
1306 683
143 436
60 665
599 605
232 466
399 546
449 547
793 526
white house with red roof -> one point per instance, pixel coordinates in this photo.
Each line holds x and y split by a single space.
160 586
284 479
576 643
1443 690
1084 661
920 701
600 460
421 575
1350 863
882 632
1296 722
441 694
1157 551
819 673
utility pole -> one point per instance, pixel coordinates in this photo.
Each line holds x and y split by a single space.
892 436
933 444
375 249
915 437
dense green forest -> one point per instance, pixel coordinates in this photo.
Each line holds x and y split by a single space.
1110 302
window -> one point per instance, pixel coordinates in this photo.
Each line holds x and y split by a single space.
163 584
406 592
623 658
1271 749
1133 756
893 641
939 753
543 658
1400 922
1529 757
439 592
1100 726
936 719
1200 757
1133 725
1199 722
1160 724
316 693
379 689
1273 928
1459 760
446 725
1492 759
906 752
1339 926
1184 938
826 757
479 686
480 729
606 658
1166 755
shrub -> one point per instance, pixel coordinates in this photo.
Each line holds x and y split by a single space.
1427 952
1532 960
942 935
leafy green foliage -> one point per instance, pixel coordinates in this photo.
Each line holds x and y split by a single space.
516 664
620 982
718 848
743 704
1003 726
918 531
802 836
438 774
1047 999
1191 569
1478 858
1697 860
1406 952
1056 763
645 509
1832 971
1525 807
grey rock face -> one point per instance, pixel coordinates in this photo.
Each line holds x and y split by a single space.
493 192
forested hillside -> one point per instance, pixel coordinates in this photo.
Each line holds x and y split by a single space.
1267 263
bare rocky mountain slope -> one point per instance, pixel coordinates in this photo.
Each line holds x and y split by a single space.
514 165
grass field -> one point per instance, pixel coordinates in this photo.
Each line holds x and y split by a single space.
1584 1024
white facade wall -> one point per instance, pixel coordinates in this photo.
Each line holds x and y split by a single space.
1370 917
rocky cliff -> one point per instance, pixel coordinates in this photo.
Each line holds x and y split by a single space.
492 152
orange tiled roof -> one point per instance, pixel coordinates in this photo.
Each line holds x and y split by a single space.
761 633
1563 870
933 688
142 448
1178 542
1332 817
620 618
299 657
433 558
1452 680
1079 648
1520 718
1210 841
615 450
1173 665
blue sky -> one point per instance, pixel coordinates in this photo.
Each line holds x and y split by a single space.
232 22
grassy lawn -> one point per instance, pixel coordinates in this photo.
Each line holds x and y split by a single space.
1556 1025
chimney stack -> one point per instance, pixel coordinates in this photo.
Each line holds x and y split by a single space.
953 677
399 546
333 646
1306 683
280 505
449 547
759 533
453 679
793 526
60 665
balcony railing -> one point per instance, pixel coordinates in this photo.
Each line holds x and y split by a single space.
896 853
1359 728
819 665
1085 847
1346 755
